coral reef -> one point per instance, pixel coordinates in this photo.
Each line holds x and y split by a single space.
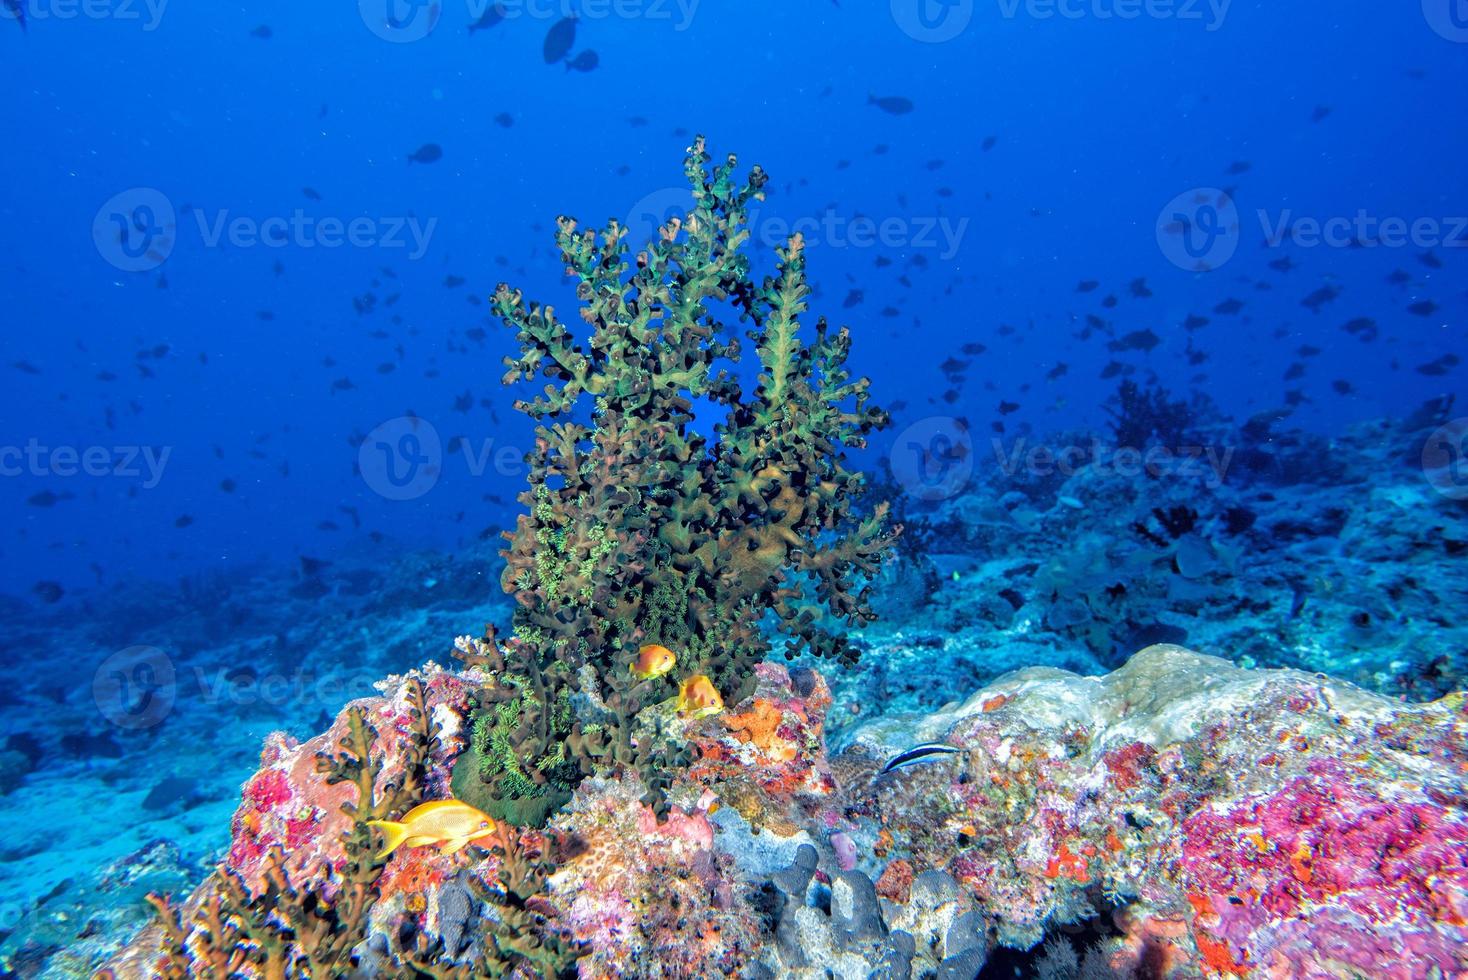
640 527
1197 819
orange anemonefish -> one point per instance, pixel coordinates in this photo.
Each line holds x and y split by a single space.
653 661
698 698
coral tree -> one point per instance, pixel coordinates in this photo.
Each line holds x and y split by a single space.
641 527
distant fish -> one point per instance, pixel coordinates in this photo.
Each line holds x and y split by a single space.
16 9
1439 367
263 32
1424 307
1239 167
1143 340
989 143
427 153
310 193
492 15
505 119
48 592
558 40
1320 297
47 498
1086 285
926 752
585 61
1321 111
26 367
896 105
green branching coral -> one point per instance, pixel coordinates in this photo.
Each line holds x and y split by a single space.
641 527
279 930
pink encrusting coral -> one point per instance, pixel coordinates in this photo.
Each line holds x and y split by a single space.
289 804
1327 863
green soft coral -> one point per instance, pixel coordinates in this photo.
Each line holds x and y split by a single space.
641 528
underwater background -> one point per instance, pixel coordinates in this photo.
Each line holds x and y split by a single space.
1167 302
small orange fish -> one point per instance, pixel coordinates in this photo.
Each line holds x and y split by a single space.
448 823
653 661
698 697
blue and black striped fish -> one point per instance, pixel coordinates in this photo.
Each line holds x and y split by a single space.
926 752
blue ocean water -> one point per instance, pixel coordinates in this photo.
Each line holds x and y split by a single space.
1096 123
248 251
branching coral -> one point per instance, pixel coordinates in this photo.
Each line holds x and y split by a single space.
642 527
275 929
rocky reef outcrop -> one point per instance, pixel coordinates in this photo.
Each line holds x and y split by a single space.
1178 817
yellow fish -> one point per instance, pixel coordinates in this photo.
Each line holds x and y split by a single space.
698 697
447 823
653 661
